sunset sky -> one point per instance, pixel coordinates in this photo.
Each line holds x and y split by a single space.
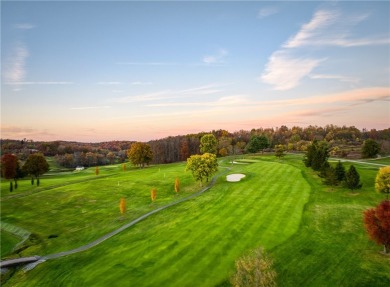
99 71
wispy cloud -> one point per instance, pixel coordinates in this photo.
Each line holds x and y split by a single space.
351 97
266 11
24 26
332 28
145 97
335 77
309 32
218 58
15 69
327 27
233 100
171 94
16 132
285 72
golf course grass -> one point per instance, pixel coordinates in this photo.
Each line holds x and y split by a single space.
314 233
8 241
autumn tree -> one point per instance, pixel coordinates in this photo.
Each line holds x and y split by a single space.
122 205
352 178
225 145
177 185
370 148
97 170
140 154
36 165
280 151
202 166
153 194
9 165
377 223
111 157
223 152
208 144
91 158
184 149
382 181
254 270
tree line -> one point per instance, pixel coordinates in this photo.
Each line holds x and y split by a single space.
342 142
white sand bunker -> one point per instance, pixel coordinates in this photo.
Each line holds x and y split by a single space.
237 162
235 177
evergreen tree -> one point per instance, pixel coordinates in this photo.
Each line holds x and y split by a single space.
316 155
324 169
352 178
340 171
331 177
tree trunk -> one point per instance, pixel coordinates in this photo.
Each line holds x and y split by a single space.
385 248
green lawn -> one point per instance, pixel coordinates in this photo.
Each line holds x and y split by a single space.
315 234
86 206
8 241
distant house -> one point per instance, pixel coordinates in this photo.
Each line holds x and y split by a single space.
79 168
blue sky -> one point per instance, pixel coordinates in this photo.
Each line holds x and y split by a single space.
96 71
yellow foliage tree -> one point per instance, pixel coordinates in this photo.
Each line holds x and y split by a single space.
97 170
382 181
122 205
153 194
177 185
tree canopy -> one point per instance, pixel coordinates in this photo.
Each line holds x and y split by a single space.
377 223
208 144
257 143
140 154
382 181
280 151
370 148
36 165
9 165
317 155
202 166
